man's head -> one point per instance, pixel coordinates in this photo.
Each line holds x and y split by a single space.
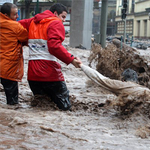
130 75
59 10
10 10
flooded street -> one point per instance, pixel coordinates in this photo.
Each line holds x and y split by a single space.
90 125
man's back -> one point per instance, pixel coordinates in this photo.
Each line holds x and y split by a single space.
12 34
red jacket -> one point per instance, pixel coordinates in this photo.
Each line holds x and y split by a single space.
44 69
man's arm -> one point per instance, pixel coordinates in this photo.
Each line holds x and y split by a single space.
56 35
26 23
22 33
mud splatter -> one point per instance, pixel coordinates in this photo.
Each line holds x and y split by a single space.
112 61
143 132
128 106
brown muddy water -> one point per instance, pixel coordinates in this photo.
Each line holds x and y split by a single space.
95 122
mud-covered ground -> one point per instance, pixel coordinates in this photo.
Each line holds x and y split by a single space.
96 122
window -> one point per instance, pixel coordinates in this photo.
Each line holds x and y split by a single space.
129 27
120 27
132 8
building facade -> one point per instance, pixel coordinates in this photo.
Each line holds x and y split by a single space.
137 19
28 8
111 17
111 14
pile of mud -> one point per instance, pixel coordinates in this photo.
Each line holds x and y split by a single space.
113 60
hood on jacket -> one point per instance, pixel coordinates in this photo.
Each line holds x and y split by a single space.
2 16
43 15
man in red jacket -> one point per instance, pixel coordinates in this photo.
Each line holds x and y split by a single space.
46 34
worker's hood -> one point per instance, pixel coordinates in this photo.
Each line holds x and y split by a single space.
44 15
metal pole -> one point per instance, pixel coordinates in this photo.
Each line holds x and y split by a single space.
131 41
103 27
37 7
124 30
121 44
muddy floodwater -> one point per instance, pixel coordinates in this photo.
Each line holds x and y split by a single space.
91 124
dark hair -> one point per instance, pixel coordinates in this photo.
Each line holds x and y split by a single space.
59 8
6 8
130 75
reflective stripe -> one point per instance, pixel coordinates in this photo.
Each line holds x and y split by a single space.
39 50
